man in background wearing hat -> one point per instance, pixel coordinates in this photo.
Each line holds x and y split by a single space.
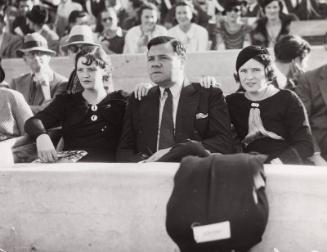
20 26
42 84
64 9
9 43
75 18
36 20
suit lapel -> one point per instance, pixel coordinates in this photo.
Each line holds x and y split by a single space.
150 118
186 111
5 42
323 85
25 85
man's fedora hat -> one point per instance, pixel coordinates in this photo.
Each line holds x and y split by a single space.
35 42
80 34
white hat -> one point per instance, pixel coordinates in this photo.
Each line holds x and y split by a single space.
81 34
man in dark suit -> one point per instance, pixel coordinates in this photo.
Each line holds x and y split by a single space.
174 111
9 43
303 9
312 89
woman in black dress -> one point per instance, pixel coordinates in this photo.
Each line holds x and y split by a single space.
266 119
91 120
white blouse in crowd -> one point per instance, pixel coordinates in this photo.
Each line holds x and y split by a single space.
136 40
195 40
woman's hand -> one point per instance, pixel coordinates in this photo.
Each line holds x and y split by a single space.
142 90
209 81
45 149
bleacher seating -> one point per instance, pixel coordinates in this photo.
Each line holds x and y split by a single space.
129 70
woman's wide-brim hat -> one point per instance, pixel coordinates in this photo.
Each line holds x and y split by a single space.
35 42
80 34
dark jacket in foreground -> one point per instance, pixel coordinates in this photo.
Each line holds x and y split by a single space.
139 137
218 189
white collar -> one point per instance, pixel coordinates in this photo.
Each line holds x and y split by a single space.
175 90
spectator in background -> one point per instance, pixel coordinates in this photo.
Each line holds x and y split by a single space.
138 37
291 55
36 20
268 120
193 36
9 43
199 15
252 9
75 18
232 32
14 111
273 25
20 26
42 84
110 35
129 16
3 7
63 11
303 9
93 7
312 89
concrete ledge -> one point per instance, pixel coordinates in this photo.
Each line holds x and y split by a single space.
121 207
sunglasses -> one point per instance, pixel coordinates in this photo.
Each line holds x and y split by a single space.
107 19
234 9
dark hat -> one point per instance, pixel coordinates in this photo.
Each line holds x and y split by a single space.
232 3
35 42
2 73
249 53
38 15
264 3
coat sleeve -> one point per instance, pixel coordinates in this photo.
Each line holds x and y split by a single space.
127 147
303 90
299 132
219 135
52 116
22 112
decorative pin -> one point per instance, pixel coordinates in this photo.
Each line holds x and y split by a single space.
94 107
255 105
94 118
